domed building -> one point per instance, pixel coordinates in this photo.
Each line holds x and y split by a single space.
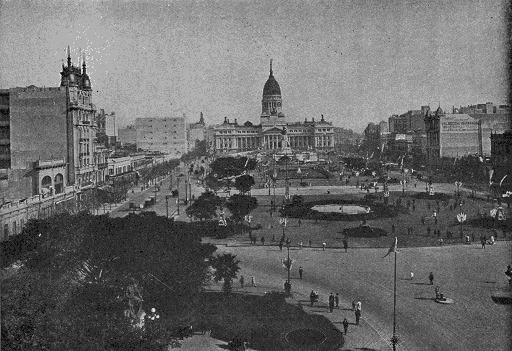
269 135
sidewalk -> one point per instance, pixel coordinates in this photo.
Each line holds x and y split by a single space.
362 337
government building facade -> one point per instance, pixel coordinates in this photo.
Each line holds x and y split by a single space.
274 133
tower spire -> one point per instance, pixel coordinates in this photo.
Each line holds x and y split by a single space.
271 73
69 57
83 66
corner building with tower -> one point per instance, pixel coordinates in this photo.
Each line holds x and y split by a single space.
274 133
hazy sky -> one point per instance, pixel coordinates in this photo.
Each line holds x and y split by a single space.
354 61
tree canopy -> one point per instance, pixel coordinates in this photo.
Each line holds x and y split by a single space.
241 205
72 287
244 183
205 207
224 167
226 268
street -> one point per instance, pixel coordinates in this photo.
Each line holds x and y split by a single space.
466 273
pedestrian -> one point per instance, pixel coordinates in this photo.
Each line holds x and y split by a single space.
473 237
345 326
262 240
300 222
508 273
280 246
253 281
441 241
301 271
345 244
323 246
431 278
312 298
331 303
310 243
412 275
337 300
300 244
242 281
358 315
393 228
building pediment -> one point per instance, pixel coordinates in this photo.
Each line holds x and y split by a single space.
273 130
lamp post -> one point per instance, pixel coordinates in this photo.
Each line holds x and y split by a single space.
274 179
458 184
189 190
155 191
178 191
461 217
288 285
167 197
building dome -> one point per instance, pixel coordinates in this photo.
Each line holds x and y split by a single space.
271 86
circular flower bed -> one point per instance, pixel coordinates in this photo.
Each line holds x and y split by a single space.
427 196
305 337
342 210
364 231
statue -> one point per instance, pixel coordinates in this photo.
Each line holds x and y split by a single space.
285 142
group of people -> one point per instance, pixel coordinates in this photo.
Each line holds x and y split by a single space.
334 302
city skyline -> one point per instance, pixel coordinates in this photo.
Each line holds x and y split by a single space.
353 62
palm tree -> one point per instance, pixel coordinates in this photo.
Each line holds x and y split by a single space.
226 268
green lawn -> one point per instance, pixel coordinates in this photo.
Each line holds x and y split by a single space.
331 231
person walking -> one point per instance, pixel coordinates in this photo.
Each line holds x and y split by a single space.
357 312
281 246
310 243
300 222
345 326
242 281
300 244
312 298
301 271
482 239
431 278
323 246
331 303
262 240
345 244
253 281
337 300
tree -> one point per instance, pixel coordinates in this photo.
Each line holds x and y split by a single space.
87 261
205 207
214 183
226 268
241 205
244 183
230 166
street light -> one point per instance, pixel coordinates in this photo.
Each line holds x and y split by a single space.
461 217
167 197
288 285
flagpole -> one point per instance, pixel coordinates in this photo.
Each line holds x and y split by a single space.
394 309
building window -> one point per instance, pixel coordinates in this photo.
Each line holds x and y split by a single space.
6 231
